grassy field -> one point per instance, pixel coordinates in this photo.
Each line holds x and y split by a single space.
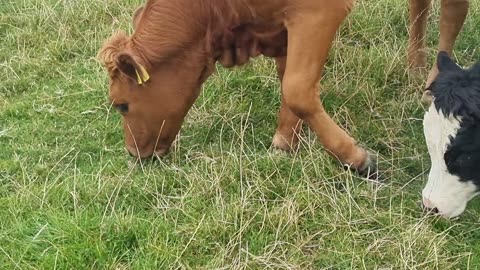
71 198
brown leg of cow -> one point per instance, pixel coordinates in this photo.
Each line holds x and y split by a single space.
453 14
302 75
417 56
289 125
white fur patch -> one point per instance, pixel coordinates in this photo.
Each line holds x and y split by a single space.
443 191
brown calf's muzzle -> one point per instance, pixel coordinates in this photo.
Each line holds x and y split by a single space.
150 139
143 153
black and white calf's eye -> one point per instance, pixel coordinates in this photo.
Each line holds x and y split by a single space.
122 108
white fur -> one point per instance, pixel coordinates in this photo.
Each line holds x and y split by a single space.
443 191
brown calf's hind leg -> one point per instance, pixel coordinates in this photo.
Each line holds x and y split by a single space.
417 56
453 14
289 125
300 84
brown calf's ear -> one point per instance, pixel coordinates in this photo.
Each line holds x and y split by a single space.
127 65
137 15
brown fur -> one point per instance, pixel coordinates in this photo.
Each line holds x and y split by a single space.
178 42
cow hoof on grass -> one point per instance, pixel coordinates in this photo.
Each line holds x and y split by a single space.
369 169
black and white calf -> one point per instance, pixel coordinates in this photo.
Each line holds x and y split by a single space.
452 132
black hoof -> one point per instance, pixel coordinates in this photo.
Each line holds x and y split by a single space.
369 169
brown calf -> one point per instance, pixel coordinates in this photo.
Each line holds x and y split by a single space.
156 74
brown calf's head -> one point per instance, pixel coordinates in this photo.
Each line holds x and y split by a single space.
153 98
156 74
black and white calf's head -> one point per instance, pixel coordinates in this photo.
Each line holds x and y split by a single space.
452 132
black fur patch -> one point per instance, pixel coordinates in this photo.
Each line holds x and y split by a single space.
456 93
463 154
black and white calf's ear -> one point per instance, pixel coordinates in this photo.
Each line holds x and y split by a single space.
427 98
445 63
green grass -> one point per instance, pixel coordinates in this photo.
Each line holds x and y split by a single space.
71 198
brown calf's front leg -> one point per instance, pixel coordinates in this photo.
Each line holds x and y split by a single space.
304 68
417 56
289 125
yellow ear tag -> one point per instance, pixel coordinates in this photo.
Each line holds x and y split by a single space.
144 78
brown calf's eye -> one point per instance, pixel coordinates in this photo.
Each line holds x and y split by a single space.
122 108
